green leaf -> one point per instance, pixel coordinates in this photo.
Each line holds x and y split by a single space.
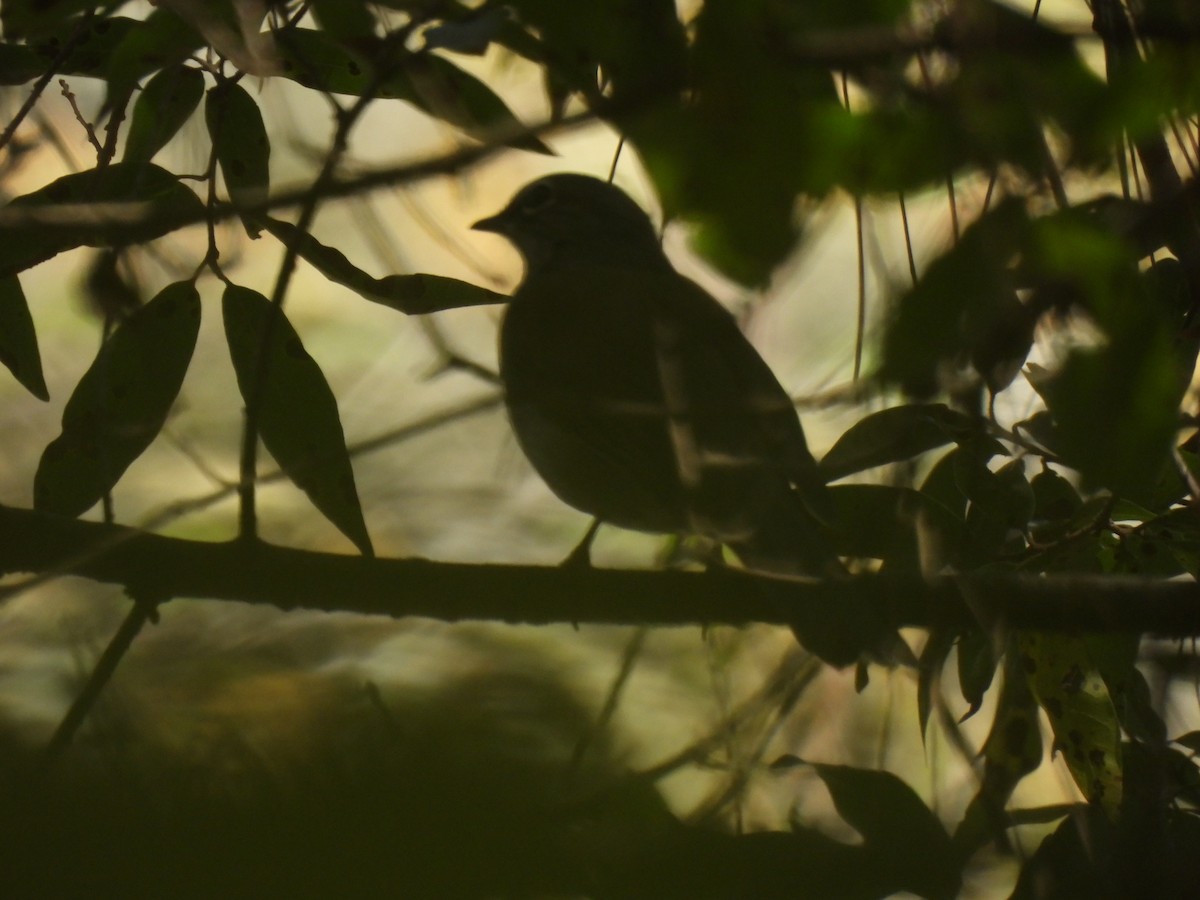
18 340
240 141
164 105
344 19
317 60
410 294
125 203
1068 685
892 435
297 412
121 403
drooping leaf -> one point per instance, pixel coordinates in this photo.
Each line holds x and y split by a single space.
125 203
929 675
164 105
410 294
896 823
121 403
234 29
1069 687
18 340
160 41
1012 750
297 413
235 125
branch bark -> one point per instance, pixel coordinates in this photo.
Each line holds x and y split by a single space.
154 568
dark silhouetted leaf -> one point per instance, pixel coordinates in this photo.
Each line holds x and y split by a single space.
459 98
18 340
19 64
297 412
317 60
906 836
121 403
239 138
881 522
164 105
126 203
892 435
160 41
344 19
410 294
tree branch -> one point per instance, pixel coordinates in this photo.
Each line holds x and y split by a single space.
153 566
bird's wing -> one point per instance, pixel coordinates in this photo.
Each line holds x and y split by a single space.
727 376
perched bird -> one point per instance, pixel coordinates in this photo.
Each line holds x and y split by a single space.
637 398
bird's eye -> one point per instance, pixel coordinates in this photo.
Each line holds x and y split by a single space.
537 198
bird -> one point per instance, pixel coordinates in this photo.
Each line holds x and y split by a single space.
637 398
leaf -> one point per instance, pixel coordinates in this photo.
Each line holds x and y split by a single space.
121 403
976 669
344 19
35 19
164 105
905 835
929 674
410 294
892 435
1012 750
160 41
19 64
125 203
955 305
1069 687
317 60
459 98
240 141
18 340
877 521
297 412
90 44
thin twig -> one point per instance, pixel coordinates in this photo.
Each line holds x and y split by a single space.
141 613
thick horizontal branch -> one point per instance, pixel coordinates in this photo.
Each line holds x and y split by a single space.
156 568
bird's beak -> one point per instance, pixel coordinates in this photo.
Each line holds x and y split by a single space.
497 224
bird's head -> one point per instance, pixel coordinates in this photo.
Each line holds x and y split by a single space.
568 219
